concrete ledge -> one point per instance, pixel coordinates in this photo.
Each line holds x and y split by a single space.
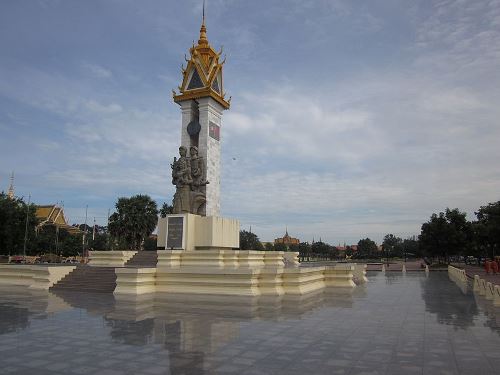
339 276
251 258
110 258
230 258
202 258
274 259
208 280
135 281
16 274
169 258
496 296
457 274
359 273
46 276
303 280
291 258
271 281
489 291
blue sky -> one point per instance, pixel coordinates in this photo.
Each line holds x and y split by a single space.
348 119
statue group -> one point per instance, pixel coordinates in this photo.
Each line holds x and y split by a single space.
188 176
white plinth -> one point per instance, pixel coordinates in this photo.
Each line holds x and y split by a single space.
201 233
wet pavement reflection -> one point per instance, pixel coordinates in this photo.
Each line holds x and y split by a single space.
395 324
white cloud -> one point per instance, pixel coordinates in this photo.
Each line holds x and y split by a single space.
97 70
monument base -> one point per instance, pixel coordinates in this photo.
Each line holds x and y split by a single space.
193 232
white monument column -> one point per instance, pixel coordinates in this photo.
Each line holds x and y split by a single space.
202 102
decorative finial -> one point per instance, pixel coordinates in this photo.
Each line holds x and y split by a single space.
203 29
10 193
203 20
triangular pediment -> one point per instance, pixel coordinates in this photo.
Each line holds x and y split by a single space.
195 82
215 85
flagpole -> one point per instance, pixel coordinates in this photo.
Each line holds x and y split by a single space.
26 227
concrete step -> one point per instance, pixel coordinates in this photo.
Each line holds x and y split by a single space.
143 259
85 278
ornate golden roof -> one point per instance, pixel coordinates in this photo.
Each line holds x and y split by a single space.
54 215
202 76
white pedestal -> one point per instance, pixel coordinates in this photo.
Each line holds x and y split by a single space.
193 232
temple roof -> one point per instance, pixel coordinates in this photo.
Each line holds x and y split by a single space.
54 215
202 76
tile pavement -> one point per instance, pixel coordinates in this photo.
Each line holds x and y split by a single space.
397 324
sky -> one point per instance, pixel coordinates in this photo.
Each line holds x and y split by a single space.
348 119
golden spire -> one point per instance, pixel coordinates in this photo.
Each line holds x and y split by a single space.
10 193
203 30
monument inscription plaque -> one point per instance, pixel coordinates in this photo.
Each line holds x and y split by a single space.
175 233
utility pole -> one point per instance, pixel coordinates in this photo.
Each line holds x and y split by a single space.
26 226
108 235
84 232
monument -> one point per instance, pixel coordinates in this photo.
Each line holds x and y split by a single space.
196 222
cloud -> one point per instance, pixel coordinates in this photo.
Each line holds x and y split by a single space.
97 70
94 106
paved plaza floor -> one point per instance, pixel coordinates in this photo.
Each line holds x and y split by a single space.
395 324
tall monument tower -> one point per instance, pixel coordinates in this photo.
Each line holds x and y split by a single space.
202 102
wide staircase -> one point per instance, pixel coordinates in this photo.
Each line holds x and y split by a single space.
85 278
143 259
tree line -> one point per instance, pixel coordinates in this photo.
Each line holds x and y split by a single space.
130 227
446 234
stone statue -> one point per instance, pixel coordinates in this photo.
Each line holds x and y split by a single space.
181 169
197 170
188 176
181 178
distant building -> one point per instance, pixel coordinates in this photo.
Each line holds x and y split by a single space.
287 240
53 215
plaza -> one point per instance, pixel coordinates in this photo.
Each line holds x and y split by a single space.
413 323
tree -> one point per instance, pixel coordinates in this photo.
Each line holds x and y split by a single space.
411 247
269 246
322 250
392 245
445 234
487 228
13 225
134 221
304 251
249 241
367 248
280 246
166 209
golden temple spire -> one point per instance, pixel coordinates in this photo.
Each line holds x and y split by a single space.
203 30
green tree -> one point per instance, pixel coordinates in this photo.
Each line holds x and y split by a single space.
294 247
411 247
367 248
487 228
166 209
447 233
392 245
321 250
13 224
279 246
304 251
134 220
249 241
269 246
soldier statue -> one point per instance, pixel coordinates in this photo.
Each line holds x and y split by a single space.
188 176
